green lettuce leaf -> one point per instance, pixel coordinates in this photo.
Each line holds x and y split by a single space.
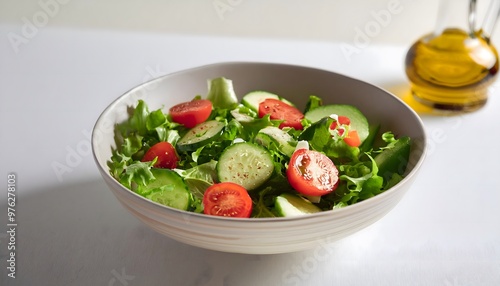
221 93
262 204
320 139
200 177
313 102
137 172
362 182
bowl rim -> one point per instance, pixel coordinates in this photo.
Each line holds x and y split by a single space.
350 208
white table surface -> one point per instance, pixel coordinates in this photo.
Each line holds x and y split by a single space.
72 231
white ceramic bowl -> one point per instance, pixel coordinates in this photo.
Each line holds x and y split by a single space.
270 235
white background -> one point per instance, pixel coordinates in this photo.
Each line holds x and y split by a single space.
318 20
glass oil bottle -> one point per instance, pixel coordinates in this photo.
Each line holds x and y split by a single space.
452 68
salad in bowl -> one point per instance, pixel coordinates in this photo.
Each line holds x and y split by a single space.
258 157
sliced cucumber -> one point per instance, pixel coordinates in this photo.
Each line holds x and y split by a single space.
200 135
370 140
286 101
241 117
254 98
271 134
358 120
171 197
313 199
293 205
246 164
162 177
167 189
395 159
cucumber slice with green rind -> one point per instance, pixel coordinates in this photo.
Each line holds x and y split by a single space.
271 134
254 98
171 197
292 205
370 140
162 177
358 120
395 159
200 135
246 164
168 189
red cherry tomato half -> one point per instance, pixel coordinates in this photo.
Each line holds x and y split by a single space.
191 113
352 139
312 173
280 110
167 158
227 199
343 120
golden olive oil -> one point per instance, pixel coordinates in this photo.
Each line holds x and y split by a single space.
452 71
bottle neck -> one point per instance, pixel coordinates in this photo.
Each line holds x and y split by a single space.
463 15
452 14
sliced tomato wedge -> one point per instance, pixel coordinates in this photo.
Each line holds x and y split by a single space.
167 158
312 173
191 113
280 110
343 120
227 199
352 139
